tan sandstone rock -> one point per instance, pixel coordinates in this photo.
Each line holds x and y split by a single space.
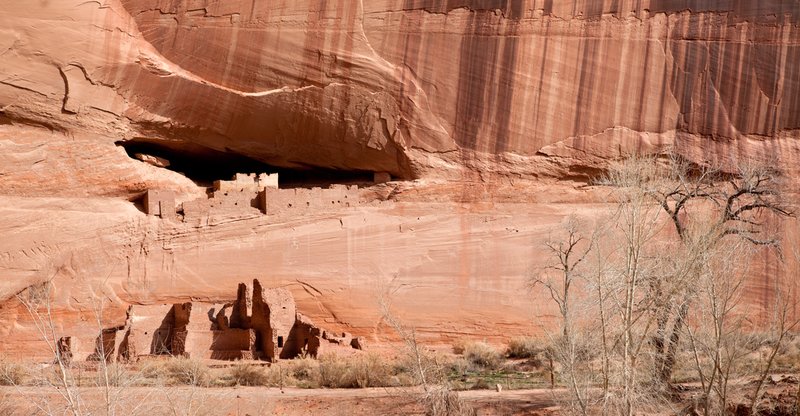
491 115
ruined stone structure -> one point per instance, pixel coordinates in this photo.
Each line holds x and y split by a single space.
253 194
275 201
261 324
247 182
235 197
160 203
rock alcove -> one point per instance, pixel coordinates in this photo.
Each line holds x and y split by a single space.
204 166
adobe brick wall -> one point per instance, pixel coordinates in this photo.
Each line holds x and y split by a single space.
160 203
247 182
301 200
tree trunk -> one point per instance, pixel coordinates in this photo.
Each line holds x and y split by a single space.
674 340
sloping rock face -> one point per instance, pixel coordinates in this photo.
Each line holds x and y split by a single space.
499 110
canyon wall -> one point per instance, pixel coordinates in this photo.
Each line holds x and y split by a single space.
493 114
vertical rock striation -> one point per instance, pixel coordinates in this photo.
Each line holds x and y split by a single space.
502 108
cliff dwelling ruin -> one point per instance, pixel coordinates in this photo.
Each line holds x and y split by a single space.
251 194
231 192
260 324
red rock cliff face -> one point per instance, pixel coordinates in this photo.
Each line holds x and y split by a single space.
494 104
382 85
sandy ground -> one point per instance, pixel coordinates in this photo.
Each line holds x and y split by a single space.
152 401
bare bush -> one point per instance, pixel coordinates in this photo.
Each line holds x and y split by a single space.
360 371
177 371
445 402
438 397
483 355
248 375
37 300
524 347
13 373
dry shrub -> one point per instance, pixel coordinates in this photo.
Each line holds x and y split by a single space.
188 371
153 369
178 370
523 347
373 371
409 369
248 375
299 372
358 371
460 365
116 374
459 346
788 358
281 375
304 369
12 374
333 372
483 355
49 375
441 401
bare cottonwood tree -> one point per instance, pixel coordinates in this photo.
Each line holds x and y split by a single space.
781 325
567 251
739 201
673 222
716 339
636 224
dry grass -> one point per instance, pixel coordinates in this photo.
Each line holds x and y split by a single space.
13 373
483 355
441 401
524 347
330 371
178 371
248 375
360 371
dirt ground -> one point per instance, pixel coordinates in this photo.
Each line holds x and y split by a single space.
253 401
780 398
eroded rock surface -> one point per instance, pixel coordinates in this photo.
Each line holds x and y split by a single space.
500 109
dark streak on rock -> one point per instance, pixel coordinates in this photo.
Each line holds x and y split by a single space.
486 73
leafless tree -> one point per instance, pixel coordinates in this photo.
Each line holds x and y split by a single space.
568 250
37 300
673 222
636 223
439 399
781 325
740 201
716 338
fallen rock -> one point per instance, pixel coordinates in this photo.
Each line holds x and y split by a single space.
156 161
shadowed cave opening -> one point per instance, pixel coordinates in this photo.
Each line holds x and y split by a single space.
204 166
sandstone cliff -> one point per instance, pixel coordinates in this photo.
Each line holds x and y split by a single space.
493 112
